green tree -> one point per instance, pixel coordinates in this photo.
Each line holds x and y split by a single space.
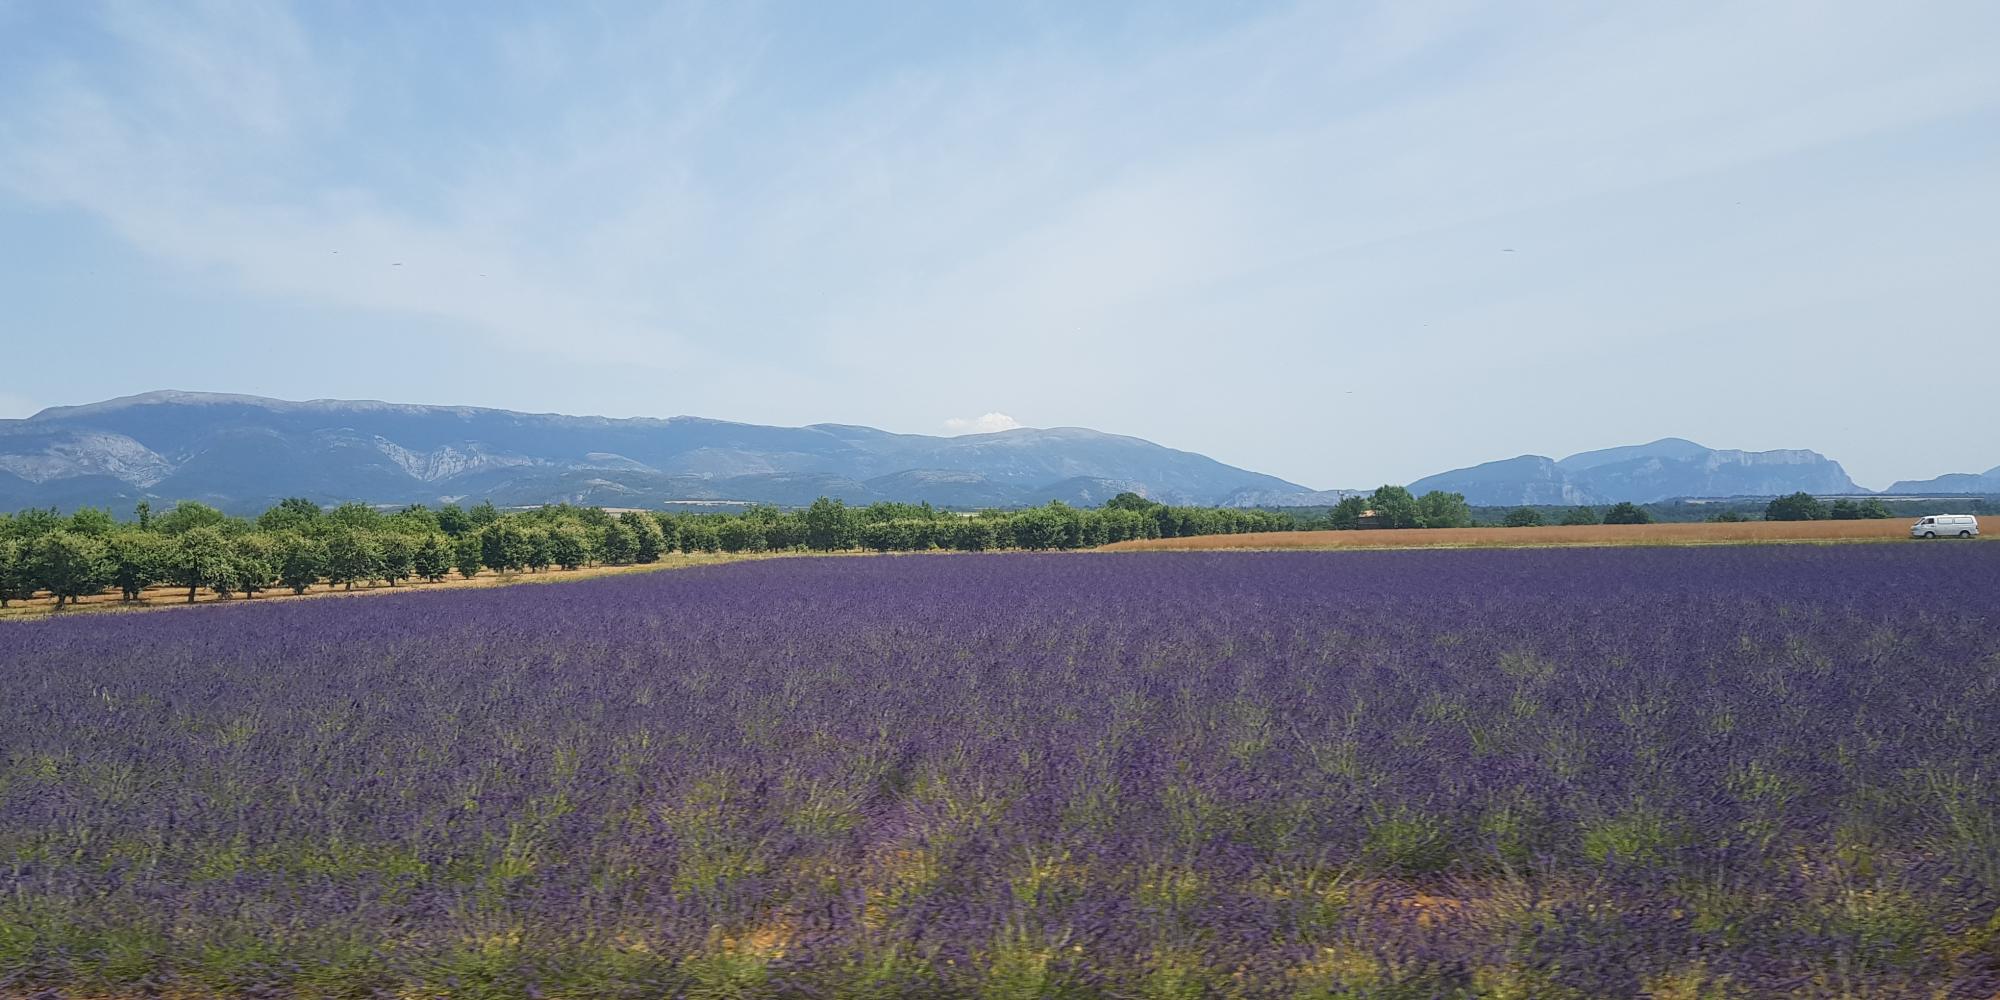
975 534
453 520
253 563
143 513
93 523
69 565
504 546
355 515
1844 510
301 559
466 553
1130 501
1874 510
621 544
1796 507
136 558
567 546
1438 509
1037 529
1395 508
541 552
739 534
1523 517
396 556
483 515
189 515
197 557
829 526
351 555
1346 515
647 542
14 577
1578 516
292 514
433 557
1626 512
698 534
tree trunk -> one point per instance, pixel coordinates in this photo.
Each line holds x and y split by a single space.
191 593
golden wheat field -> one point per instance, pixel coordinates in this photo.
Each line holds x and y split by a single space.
1588 534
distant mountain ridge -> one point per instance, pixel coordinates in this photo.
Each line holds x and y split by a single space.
1660 470
243 453
1956 482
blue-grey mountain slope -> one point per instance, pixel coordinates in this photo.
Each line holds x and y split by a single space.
243 453
1956 482
1664 469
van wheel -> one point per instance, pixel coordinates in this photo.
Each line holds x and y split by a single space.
1965 534
1930 534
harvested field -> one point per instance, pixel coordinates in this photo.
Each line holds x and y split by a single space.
1588 534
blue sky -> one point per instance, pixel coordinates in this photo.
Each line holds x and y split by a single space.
1344 243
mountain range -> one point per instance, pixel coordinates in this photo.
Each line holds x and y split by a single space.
1663 469
244 453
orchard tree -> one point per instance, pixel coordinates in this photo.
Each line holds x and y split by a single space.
1523 517
292 514
647 542
253 563
829 526
198 557
465 553
433 557
396 556
69 565
568 546
93 523
188 516
14 579
137 560
739 535
541 549
351 555
301 561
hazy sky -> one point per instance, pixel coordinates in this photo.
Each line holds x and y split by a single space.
1341 242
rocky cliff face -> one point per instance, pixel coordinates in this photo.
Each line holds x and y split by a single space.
245 452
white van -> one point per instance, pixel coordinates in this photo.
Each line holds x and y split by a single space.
1945 525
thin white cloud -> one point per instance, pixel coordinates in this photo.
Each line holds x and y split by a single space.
1276 214
985 423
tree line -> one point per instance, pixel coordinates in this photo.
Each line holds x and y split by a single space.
298 544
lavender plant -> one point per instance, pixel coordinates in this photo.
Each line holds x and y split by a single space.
1728 772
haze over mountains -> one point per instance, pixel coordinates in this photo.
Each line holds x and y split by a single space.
243 453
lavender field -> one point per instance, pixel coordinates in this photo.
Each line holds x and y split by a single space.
1676 773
